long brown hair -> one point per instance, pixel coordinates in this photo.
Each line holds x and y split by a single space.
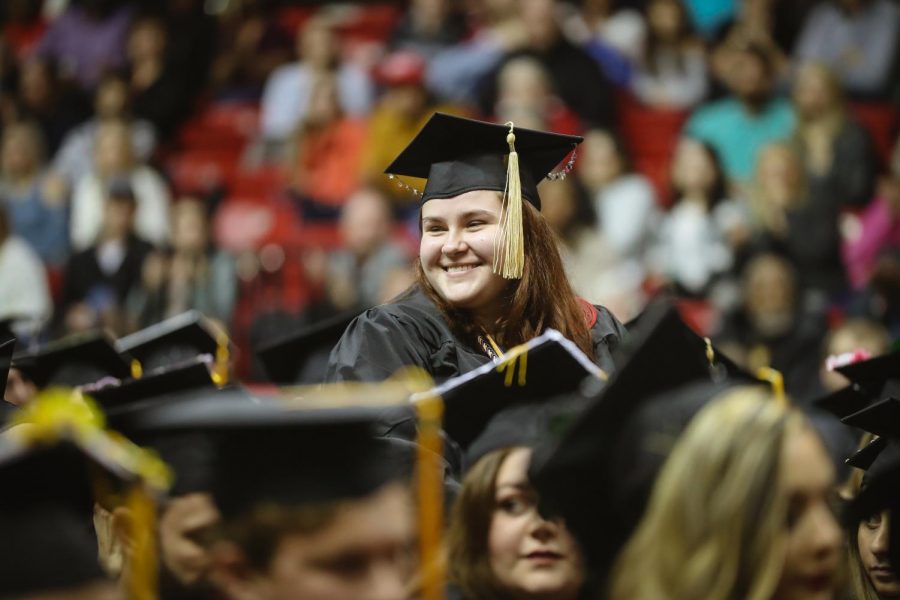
542 298
467 545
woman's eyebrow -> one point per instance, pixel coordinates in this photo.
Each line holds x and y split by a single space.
517 485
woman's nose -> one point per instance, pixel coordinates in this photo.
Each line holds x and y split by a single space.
454 243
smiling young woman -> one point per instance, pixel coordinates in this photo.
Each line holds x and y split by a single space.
489 273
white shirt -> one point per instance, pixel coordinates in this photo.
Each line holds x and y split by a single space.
627 214
24 292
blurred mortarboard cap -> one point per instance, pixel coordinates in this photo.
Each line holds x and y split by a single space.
865 456
74 361
174 340
874 370
120 187
576 475
458 155
302 357
881 418
46 549
185 376
266 452
506 404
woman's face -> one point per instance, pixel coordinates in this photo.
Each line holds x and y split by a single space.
457 250
600 163
813 541
692 169
779 176
872 540
530 557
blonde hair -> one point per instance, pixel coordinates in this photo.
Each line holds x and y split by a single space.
763 207
715 523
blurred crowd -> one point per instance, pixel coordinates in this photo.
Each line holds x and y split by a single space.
228 156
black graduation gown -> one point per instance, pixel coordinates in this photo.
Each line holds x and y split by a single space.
411 331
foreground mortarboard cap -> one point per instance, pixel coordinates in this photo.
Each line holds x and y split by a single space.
502 405
268 453
865 456
174 340
458 155
46 549
302 357
577 475
74 361
873 370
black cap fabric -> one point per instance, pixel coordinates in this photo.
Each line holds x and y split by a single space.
182 377
865 456
46 549
578 475
74 361
881 418
459 155
873 370
268 453
172 341
302 357
503 405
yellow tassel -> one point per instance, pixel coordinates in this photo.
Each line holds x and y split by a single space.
776 381
509 247
142 568
430 497
137 371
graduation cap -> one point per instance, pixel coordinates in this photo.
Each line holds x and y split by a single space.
46 549
180 338
506 404
302 357
665 375
266 452
74 361
459 155
182 377
865 456
874 370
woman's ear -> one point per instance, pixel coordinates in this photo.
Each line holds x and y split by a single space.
232 574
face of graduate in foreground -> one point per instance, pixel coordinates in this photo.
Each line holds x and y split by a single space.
530 556
362 553
813 539
457 250
872 540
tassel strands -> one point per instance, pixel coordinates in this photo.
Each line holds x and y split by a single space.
509 247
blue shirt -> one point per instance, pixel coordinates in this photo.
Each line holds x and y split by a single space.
738 135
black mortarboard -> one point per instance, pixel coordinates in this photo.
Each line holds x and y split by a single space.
167 381
174 340
843 402
458 155
490 408
265 452
74 361
865 456
873 370
578 476
881 418
45 549
302 357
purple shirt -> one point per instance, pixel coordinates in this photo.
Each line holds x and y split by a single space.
84 48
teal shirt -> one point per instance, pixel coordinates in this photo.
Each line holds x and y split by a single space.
737 135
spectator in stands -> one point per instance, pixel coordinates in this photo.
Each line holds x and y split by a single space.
694 247
739 126
192 274
800 227
455 73
191 41
252 44
88 39
114 158
852 335
288 95
877 230
525 96
624 201
34 200
428 27
97 280
672 70
612 33
595 270
770 327
708 16
858 39
24 294
23 25
576 77
358 271
836 151
329 147
111 103
46 100
400 112
159 90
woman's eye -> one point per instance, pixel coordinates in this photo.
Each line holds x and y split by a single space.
874 521
475 224
516 505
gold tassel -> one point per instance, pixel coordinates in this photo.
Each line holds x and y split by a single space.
430 497
776 381
509 247
142 567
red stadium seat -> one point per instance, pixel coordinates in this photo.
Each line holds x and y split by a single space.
881 120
